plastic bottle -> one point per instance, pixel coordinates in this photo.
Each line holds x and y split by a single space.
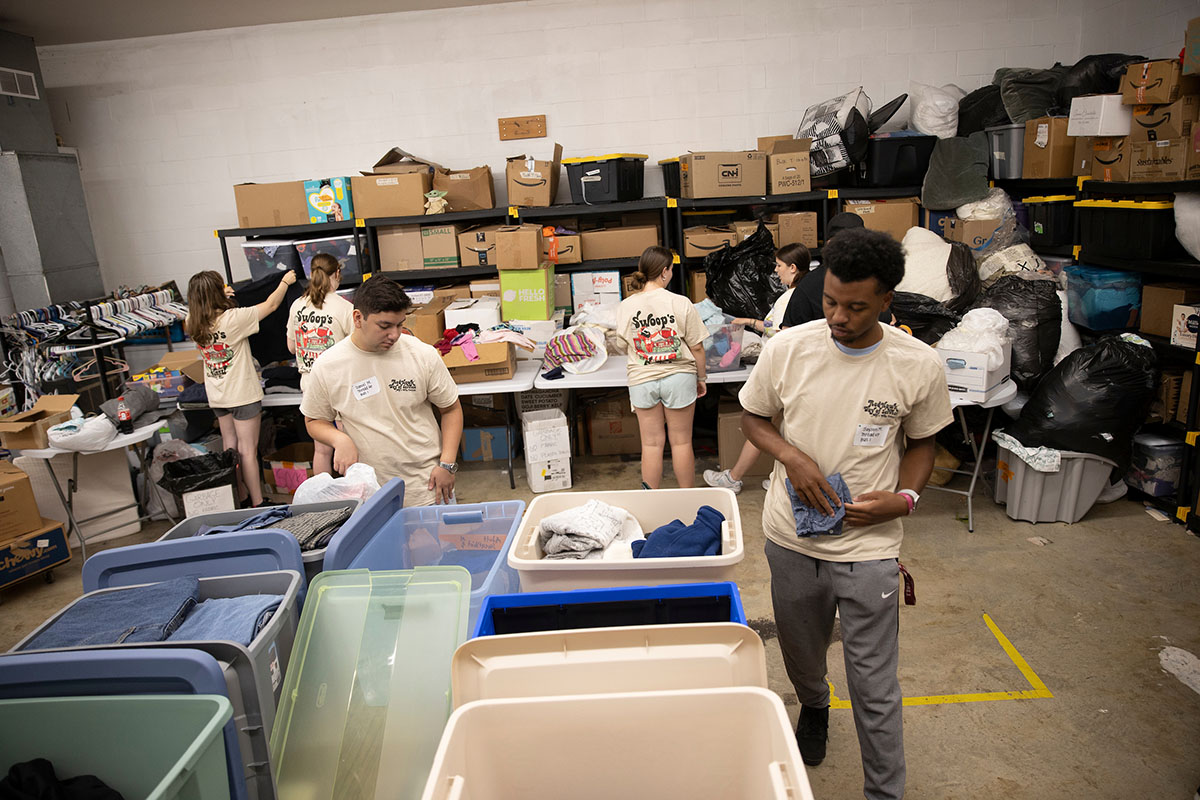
124 417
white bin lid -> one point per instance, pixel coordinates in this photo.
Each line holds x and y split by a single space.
596 660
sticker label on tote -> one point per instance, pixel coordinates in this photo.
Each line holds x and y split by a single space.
364 389
871 435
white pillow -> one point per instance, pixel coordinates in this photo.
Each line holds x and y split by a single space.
925 257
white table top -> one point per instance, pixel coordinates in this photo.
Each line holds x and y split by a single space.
123 440
1006 393
613 375
522 381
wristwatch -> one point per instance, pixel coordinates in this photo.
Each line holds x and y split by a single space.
912 497
450 467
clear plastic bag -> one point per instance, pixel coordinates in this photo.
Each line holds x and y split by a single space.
82 435
934 111
359 483
982 330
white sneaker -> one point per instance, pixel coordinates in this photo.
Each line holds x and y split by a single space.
722 480
766 484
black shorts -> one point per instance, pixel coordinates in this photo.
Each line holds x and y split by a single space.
245 412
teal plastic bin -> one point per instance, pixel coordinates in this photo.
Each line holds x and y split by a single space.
144 746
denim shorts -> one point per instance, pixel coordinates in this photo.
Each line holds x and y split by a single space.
240 413
673 391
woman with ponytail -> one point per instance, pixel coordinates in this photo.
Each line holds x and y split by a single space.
318 320
664 337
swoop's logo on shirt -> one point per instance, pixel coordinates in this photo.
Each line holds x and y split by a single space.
313 337
403 385
879 408
217 356
655 346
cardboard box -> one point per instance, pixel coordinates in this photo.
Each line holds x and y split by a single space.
1166 399
490 443
481 311
1191 48
27 430
467 189
798 228
287 468
1170 121
894 216
1157 82
439 246
546 434
400 248
519 247
497 362
541 400
34 553
539 331
1185 323
697 286
565 249
595 289
1049 152
730 440
701 240
485 287
618 242
173 370
401 195
766 144
477 246
613 427
1081 163
18 507
460 292
627 287
744 229
428 322
1111 158
1193 158
1160 160
548 476
270 205
974 233
788 168
562 291
1099 115
533 183
636 219
420 295
527 293
208 501
1185 395
401 162
329 199
1158 305
969 377
723 174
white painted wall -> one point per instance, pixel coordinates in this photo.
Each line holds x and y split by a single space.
166 125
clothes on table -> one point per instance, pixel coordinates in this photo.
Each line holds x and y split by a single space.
810 521
228 619
142 402
676 540
137 614
312 530
578 531
507 335
567 347
36 780
284 375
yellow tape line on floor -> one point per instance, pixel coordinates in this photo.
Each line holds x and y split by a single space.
1039 690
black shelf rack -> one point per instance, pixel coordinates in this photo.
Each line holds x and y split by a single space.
371 226
1130 190
1169 269
314 230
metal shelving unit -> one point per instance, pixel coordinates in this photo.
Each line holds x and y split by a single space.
314 230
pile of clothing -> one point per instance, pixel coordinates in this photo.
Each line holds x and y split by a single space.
37 780
468 336
579 349
313 529
598 531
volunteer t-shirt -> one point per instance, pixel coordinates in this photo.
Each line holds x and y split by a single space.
312 330
847 413
774 319
229 376
385 404
659 328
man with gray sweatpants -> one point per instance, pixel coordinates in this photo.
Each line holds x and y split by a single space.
861 401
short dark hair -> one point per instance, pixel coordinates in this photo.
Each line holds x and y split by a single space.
856 255
381 295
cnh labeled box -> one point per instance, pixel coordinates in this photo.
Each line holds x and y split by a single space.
723 173
329 199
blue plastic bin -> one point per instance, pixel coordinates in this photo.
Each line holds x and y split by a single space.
601 608
1103 299
383 535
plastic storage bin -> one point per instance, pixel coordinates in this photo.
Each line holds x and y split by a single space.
268 257
383 535
900 158
153 747
671 604
313 559
606 179
1103 299
671 178
1128 229
369 691
340 247
704 744
1154 468
1063 496
1051 220
723 347
651 509
1006 144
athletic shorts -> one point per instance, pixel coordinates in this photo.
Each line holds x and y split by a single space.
673 391
240 412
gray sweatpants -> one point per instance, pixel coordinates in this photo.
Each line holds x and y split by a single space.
805 593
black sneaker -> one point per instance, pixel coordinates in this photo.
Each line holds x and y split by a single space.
812 731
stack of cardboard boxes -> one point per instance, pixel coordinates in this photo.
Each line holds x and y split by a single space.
29 545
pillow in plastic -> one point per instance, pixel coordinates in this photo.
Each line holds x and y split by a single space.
82 435
933 110
1187 221
925 257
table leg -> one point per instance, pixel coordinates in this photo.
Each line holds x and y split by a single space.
68 500
512 439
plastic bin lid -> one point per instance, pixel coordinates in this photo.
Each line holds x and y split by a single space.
1136 205
598 660
608 157
369 675
674 160
1049 198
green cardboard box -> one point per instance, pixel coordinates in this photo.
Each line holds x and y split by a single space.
527 293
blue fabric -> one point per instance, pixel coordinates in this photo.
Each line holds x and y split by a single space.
254 523
228 619
810 521
676 540
138 614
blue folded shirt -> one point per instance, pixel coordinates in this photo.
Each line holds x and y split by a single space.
676 540
812 522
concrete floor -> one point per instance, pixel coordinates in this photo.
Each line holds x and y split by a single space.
1088 612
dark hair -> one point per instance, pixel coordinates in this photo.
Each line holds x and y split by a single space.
654 262
856 255
206 301
323 266
381 295
842 221
795 254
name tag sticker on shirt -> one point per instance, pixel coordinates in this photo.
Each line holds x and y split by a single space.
871 435
364 389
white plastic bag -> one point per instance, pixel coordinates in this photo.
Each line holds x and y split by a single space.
935 111
359 483
82 435
172 450
982 330
1069 340
997 205
1187 221
925 257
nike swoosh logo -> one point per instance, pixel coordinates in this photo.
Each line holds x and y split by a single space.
889 594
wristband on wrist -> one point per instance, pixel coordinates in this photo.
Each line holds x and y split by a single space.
911 498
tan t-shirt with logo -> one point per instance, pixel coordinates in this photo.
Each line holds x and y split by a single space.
229 375
847 413
312 330
659 328
385 403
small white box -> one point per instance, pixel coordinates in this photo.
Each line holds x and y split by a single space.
1185 322
595 288
208 501
1099 115
539 331
420 295
968 376
481 311
548 476
547 436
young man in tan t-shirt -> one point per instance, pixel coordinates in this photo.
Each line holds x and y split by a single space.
862 400
383 386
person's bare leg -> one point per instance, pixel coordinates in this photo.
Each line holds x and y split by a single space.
679 432
322 458
745 461
229 442
247 447
652 427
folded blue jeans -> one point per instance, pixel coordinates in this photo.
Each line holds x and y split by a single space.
137 614
812 522
228 619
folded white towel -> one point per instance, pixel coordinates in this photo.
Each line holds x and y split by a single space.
576 532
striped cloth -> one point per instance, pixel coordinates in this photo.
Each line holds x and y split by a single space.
568 347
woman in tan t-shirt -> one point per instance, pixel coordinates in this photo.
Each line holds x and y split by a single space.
220 330
664 337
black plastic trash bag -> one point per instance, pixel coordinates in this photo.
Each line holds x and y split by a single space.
928 319
741 279
982 108
1098 74
963 275
1029 93
1034 315
200 472
1092 402
958 173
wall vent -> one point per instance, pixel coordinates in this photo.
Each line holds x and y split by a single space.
18 83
